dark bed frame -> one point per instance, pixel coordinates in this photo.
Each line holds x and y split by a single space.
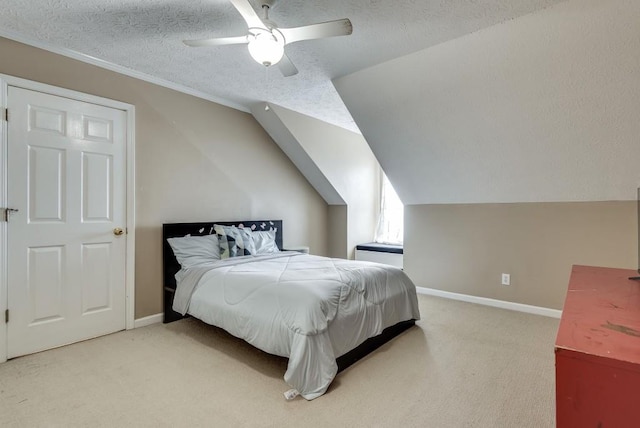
171 267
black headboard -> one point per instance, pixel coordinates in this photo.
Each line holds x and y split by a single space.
170 265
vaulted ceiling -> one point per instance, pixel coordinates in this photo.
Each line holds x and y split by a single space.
146 36
543 108
461 101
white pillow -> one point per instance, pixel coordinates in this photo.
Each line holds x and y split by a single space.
265 241
195 250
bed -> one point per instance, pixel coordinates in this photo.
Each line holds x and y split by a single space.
322 314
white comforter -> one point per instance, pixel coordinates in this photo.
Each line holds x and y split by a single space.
310 309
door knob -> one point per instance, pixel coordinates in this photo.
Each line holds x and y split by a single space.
117 231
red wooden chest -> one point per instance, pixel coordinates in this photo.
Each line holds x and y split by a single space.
598 350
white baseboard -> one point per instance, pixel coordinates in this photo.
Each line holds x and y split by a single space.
520 307
151 319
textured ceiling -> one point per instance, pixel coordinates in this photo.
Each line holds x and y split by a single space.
146 35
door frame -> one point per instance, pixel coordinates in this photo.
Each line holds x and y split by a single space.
129 109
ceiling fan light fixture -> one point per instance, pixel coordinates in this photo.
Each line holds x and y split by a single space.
266 41
265 48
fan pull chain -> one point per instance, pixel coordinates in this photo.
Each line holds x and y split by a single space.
266 85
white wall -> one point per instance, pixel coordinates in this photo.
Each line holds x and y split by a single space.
541 108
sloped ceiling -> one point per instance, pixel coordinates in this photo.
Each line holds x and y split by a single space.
543 108
146 36
337 162
279 132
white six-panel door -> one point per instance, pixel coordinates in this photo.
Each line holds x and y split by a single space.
66 258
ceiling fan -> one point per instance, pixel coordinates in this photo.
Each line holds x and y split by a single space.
266 41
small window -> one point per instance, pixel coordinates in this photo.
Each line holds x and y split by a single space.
390 228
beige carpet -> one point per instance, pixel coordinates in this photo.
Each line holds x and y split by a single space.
463 365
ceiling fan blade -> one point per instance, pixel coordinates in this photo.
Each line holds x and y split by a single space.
341 27
220 41
286 67
247 12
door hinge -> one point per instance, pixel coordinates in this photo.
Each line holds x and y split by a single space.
6 114
6 316
7 212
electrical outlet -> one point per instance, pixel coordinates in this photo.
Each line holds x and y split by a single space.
506 279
